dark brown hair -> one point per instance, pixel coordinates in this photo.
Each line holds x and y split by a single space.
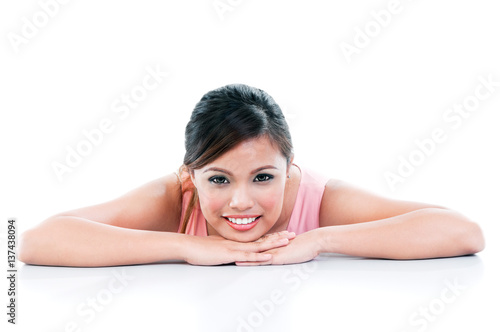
222 119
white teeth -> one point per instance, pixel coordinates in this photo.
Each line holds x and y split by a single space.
242 221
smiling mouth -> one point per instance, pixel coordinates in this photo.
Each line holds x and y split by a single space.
242 224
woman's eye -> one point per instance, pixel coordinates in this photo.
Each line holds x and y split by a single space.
263 177
223 180
218 180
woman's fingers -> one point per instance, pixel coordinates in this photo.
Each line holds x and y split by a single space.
249 257
276 243
218 250
252 253
214 250
268 244
272 236
257 262
271 241
269 262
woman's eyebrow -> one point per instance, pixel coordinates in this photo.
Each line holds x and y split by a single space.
217 169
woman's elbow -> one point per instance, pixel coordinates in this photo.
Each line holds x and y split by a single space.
472 238
23 248
27 249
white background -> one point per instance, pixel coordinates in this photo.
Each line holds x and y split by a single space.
349 119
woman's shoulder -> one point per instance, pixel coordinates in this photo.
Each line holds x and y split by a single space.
154 205
165 198
160 199
310 176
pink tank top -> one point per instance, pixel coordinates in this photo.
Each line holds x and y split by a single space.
305 214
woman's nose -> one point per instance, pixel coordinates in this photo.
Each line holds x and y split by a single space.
241 200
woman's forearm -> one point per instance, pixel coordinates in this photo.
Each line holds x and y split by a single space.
74 241
425 233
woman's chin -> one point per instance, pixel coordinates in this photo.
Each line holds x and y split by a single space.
249 232
243 237
247 236
243 233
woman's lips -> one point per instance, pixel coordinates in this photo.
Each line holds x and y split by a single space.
242 227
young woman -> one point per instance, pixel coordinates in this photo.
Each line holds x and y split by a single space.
238 197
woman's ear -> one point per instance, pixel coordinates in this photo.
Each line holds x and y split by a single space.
289 165
191 175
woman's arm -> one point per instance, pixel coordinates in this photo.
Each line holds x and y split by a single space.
130 229
75 241
136 228
423 233
356 222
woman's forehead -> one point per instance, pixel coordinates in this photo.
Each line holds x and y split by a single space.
254 153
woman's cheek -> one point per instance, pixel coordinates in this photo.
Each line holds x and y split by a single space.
212 203
272 203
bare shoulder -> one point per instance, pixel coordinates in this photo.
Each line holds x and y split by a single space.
155 205
344 203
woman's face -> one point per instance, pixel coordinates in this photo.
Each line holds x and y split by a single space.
241 193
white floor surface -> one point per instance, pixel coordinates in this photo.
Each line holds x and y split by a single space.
330 293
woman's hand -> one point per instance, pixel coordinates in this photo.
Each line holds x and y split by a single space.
216 250
302 248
